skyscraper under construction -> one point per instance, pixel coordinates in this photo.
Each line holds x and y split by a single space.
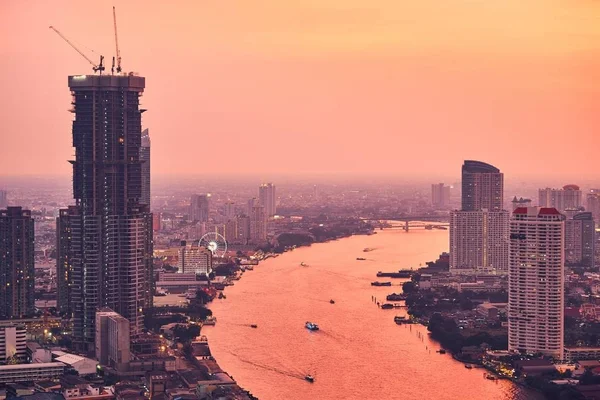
108 245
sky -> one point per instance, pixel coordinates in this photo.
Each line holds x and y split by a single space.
340 87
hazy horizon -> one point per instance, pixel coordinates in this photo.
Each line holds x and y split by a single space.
330 87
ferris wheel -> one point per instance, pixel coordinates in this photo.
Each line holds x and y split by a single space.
214 242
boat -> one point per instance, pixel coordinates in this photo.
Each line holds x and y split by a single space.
387 306
468 366
249 267
367 249
360 259
309 378
311 327
331 301
303 264
400 319
442 351
403 273
490 377
254 326
395 297
210 321
222 296
381 283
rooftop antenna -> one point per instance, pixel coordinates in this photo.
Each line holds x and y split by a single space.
117 41
95 66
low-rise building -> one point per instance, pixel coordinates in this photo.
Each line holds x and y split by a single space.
31 372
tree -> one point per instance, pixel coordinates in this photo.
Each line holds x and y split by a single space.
186 334
409 287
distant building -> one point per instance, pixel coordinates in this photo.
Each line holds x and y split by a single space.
199 207
569 197
440 195
267 198
536 282
250 205
112 339
145 160
580 239
3 199
593 204
520 203
67 254
479 242
17 270
13 342
156 221
243 229
195 259
231 230
482 187
229 210
258 224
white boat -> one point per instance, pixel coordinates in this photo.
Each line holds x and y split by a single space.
311 327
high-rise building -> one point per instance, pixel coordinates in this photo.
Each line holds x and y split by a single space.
230 232
267 198
113 342
440 195
195 259
114 228
479 242
567 198
229 210
593 204
580 240
3 199
536 282
68 254
482 187
243 229
251 203
520 203
200 207
258 224
156 222
145 160
17 270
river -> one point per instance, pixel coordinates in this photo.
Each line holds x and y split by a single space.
359 353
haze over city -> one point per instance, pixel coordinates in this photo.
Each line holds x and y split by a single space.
329 87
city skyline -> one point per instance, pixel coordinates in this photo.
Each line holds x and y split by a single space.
444 71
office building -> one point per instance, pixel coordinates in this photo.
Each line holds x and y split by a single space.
267 199
580 240
68 254
479 242
3 199
258 225
13 343
195 259
567 198
482 187
440 196
114 229
112 339
200 207
145 160
520 203
17 270
536 282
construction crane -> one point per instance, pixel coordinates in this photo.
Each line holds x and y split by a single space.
117 41
95 66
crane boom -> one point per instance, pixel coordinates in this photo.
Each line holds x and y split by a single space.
96 68
117 41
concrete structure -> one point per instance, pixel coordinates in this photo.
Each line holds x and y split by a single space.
145 160
17 269
200 207
482 187
268 199
31 372
258 225
112 339
536 282
440 195
13 343
479 242
520 203
580 240
112 239
569 197
195 259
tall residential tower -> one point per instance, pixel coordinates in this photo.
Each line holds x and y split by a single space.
266 197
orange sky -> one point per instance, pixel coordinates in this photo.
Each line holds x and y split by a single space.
388 87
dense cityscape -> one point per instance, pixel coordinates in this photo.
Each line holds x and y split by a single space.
116 283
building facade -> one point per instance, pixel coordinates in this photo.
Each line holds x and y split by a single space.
17 269
440 195
567 198
536 282
200 207
580 240
268 199
112 240
479 242
258 225
112 339
68 254
145 160
195 259
13 343
482 187
593 204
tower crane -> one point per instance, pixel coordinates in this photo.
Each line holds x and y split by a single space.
95 67
117 41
